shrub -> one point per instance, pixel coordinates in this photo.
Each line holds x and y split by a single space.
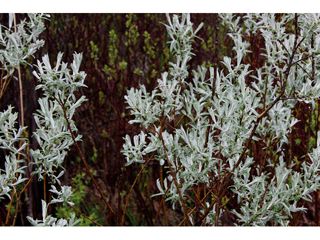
56 131
200 127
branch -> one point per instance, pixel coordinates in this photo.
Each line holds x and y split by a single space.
83 159
174 177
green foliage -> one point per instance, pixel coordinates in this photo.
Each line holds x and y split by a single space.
297 141
132 33
208 44
94 51
89 215
102 97
148 47
137 71
113 48
94 156
123 65
109 71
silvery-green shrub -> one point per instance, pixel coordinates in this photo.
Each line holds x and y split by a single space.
48 220
10 136
56 130
199 124
59 103
18 43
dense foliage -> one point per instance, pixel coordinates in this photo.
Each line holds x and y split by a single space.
56 131
205 157
201 129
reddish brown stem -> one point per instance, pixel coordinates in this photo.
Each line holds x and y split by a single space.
174 177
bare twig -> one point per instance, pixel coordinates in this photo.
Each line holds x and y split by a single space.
130 190
20 81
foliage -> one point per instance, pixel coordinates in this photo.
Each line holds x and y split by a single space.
128 50
200 129
87 214
13 173
56 131
19 42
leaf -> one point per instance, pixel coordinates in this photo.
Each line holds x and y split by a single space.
11 18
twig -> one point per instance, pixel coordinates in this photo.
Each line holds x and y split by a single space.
9 209
193 209
44 188
174 177
83 159
18 200
130 190
20 82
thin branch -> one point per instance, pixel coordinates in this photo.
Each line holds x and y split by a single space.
131 188
174 177
83 159
9 209
44 188
20 81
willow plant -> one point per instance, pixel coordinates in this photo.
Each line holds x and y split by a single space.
200 124
56 130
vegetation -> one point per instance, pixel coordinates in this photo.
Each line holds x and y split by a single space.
222 118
